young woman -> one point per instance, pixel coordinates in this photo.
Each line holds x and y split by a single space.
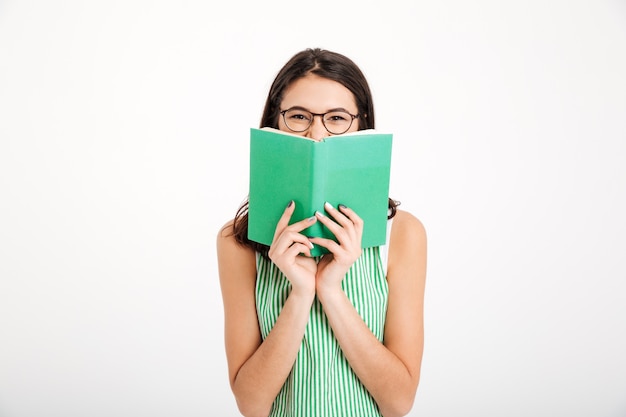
336 335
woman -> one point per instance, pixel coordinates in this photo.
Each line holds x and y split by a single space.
336 335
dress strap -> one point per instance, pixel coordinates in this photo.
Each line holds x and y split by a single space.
384 249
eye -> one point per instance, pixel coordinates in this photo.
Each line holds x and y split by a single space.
337 117
298 115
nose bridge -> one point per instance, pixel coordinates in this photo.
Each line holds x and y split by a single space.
317 130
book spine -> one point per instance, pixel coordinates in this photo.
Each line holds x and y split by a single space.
319 178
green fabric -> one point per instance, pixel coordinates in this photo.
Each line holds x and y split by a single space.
322 383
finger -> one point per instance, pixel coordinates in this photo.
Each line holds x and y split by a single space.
297 248
351 215
284 219
332 246
289 238
356 220
335 228
337 215
347 218
345 232
302 224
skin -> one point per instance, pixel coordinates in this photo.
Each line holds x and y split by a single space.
258 368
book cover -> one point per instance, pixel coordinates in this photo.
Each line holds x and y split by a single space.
352 169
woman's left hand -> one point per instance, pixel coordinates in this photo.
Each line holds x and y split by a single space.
348 229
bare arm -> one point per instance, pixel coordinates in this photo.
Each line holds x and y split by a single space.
389 371
258 368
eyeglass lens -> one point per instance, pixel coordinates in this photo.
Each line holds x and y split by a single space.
336 122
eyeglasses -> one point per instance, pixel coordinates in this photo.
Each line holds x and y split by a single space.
336 122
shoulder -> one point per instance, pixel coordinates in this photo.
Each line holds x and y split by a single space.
406 228
225 233
407 243
225 236
231 254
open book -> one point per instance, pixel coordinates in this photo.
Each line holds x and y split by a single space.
352 169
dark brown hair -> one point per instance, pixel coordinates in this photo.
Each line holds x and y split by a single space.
326 64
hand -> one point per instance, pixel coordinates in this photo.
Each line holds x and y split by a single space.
285 251
348 229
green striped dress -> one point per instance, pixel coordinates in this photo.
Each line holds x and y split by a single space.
322 383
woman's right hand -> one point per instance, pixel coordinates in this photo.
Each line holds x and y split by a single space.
285 252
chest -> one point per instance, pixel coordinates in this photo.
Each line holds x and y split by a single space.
365 285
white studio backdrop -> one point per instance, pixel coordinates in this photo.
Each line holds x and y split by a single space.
123 149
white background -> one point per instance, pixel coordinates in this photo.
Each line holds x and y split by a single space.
123 149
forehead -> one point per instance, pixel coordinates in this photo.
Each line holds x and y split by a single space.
318 94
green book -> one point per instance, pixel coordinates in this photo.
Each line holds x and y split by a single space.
352 169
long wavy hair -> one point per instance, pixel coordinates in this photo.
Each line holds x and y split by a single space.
326 64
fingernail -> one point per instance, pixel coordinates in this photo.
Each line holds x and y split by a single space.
341 206
328 205
310 219
318 214
290 204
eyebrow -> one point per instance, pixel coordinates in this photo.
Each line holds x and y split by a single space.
327 111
